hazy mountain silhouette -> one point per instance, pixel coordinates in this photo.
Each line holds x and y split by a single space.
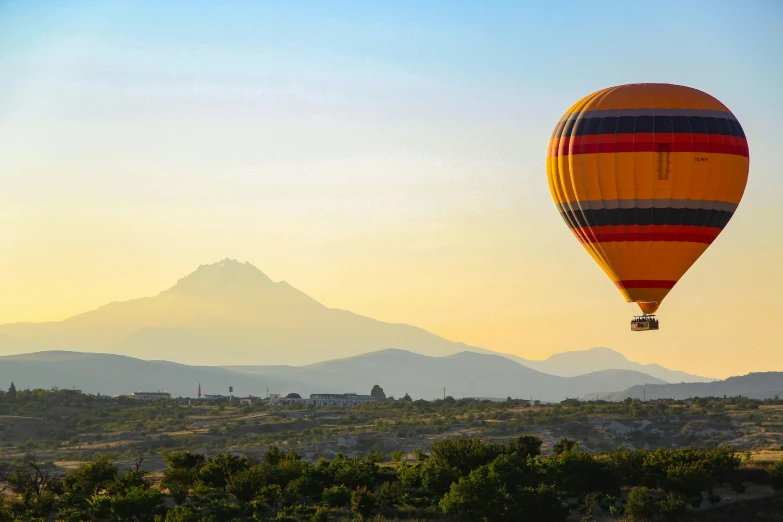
568 364
397 371
231 313
224 313
762 385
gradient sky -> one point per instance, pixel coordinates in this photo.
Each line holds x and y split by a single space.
383 157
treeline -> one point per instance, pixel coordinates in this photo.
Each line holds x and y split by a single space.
460 479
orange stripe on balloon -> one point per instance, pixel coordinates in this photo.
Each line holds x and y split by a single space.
644 283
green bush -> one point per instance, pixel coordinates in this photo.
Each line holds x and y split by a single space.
389 494
321 515
184 460
246 484
270 494
337 496
362 502
640 507
673 506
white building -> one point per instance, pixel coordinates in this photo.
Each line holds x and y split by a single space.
150 396
322 399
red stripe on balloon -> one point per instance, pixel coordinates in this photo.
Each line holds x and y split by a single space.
598 144
677 233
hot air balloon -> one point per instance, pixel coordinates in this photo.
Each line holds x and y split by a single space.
646 176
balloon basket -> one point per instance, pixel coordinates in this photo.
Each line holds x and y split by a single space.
642 323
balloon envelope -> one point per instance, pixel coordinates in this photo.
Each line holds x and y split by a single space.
646 176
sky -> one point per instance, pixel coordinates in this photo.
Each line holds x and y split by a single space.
386 158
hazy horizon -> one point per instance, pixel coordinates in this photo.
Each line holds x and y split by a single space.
388 160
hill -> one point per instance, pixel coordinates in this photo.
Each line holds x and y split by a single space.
397 371
753 385
571 363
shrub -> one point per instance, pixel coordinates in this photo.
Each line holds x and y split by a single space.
640 507
564 445
178 492
184 460
389 494
673 506
776 475
270 494
321 515
337 496
246 484
477 495
525 446
362 502
738 486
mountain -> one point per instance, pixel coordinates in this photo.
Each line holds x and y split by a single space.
465 374
762 385
230 313
224 313
569 364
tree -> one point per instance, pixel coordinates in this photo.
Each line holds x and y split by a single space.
465 454
475 497
11 391
337 496
540 504
389 494
184 460
217 469
88 479
245 485
564 445
525 446
137 505
36 484
352 472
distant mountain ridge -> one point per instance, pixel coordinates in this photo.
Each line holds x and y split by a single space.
571 363
760 385
397 371
231 313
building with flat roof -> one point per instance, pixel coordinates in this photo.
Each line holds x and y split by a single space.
150 396
322 400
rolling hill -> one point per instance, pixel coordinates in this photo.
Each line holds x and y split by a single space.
762 385
571 363
397 371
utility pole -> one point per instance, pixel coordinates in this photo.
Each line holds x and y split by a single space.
444 392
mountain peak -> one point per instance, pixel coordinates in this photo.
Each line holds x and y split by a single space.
222 276
606 355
